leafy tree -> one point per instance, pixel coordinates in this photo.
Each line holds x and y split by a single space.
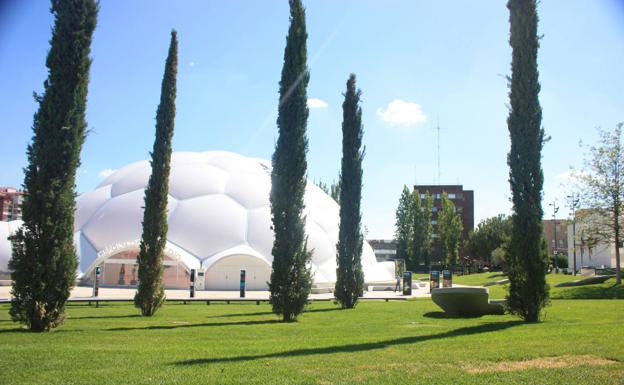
44 260
428 229
528 291
334 189
489 235
350 278
323 186
403 224
151 293
291 279
603 192
449 230
421 232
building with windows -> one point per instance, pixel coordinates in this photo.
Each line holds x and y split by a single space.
10 204
385 249
219 220
463 200
556 236
594 247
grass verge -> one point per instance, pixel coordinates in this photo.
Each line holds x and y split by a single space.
384 343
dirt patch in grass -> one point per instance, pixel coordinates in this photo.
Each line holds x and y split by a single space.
540 363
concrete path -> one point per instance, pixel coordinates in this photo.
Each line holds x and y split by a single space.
86 292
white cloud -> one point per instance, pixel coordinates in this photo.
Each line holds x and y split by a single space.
400 112
106 173
193 64
316 103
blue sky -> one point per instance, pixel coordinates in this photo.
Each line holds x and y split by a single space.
436 60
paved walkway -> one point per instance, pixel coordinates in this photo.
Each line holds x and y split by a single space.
86 292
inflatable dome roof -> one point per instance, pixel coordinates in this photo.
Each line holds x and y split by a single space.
218 215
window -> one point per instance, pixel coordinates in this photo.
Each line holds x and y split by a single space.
451 196
434 209
434 222
422 196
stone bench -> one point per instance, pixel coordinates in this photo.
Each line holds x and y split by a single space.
466 301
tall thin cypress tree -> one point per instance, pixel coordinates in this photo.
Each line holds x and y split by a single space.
151 294
528 291
291 279
350 278
44 262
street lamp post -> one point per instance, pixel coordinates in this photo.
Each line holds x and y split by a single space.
574 201
555 210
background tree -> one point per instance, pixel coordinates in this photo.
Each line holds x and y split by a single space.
349 275
44 262
334 189
449 230
291 278
421 232
489 235
603 191
527 260
428 230
151 292
403 224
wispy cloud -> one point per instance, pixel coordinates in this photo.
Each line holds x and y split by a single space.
106 173
400 112
193 64
317 103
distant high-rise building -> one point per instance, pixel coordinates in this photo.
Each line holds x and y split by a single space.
463 200
10 204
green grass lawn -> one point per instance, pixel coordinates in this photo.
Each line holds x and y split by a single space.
580 342
606 290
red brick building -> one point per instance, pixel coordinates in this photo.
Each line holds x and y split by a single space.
560 232
463 200
464 204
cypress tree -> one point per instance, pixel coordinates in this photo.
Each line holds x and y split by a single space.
151 294
350 278
44 260
291 279
528 291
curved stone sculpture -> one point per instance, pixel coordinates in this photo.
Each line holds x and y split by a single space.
466 301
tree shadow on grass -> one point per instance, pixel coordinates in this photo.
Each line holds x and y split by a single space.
353 348
260 313
598 291
105 316
443 315
208 324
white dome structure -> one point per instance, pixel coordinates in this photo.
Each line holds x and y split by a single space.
219 223
6 229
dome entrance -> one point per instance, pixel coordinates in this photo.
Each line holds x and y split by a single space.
121 270
224 274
